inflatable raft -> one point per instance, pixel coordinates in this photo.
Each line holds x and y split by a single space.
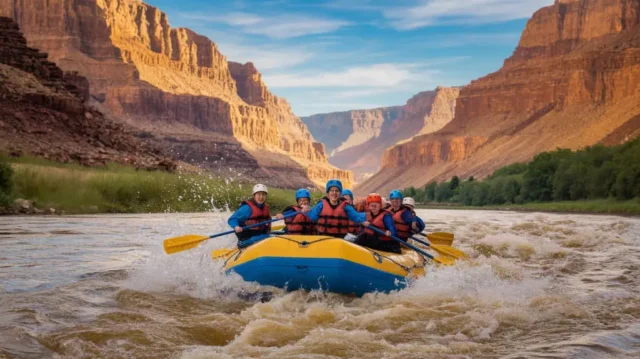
319 262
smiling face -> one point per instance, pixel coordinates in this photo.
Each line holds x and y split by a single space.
303 202
374 207
260 197
396 203
334 194
348 198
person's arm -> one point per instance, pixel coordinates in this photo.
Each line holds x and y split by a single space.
390 224
421 225
407 217
242 214
355 216
314 214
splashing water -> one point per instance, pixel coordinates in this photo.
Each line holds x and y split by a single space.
536 286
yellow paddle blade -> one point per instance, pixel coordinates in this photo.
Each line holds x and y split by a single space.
182 243
449 251
278 227
222 253
442 238
448 261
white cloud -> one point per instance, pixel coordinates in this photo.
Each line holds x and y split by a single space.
266 57
438 12
376 75
278 26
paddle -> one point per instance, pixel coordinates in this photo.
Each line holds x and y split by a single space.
442 238
182 243
441 260
443 249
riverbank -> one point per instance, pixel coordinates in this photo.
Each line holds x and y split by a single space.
75 189
598 206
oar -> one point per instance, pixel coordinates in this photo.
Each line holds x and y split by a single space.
182 243
441 260
443 238
442 249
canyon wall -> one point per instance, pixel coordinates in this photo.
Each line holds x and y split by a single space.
573 81
43 112
174 83
357 139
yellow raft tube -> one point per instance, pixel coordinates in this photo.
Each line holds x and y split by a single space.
321 262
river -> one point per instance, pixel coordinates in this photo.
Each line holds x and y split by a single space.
537 286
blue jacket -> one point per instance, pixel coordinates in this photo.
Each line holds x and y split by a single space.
390 223
241 215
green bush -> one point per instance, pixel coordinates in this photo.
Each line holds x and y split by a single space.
6 182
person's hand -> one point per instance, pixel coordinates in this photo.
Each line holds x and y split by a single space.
238 229
366 223
279 216
306 208
388 233
414 225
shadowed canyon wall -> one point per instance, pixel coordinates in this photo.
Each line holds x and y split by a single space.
357 139
573 81
177 86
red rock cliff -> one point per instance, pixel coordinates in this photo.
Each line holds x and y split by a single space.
359 138
573 81
43 112
171 82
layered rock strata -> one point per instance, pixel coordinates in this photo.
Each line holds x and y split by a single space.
43 112
172 83
357 139
573 81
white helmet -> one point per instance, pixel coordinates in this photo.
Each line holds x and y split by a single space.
260 188
408 201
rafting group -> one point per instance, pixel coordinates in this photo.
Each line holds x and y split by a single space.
338 215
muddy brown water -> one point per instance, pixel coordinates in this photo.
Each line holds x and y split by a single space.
537 286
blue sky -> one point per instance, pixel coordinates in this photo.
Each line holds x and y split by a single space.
337 55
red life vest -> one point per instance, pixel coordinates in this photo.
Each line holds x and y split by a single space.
377 222
257 215
300 223
403 229
333 220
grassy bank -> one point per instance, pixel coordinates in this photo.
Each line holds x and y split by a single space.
604 206
120 189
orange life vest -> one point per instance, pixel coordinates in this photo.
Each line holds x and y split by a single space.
257 215
378 222
300 223
403 229
333 220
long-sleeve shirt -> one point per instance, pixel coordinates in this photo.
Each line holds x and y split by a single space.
351 212
241 215
409 218
390 224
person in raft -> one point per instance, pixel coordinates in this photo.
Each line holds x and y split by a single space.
252 211
347 196
332 214
382 220
300 223
406 221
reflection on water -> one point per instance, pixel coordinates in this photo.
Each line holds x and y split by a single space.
537 286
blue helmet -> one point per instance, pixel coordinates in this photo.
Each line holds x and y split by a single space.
347 192
333 183
395 194
303 193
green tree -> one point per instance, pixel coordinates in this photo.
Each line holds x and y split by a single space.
538 178
430 191
480 194
6 182
455 182
465 196
444 192
470 179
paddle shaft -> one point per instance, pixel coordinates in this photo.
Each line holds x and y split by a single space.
421 241
402 242
254 225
